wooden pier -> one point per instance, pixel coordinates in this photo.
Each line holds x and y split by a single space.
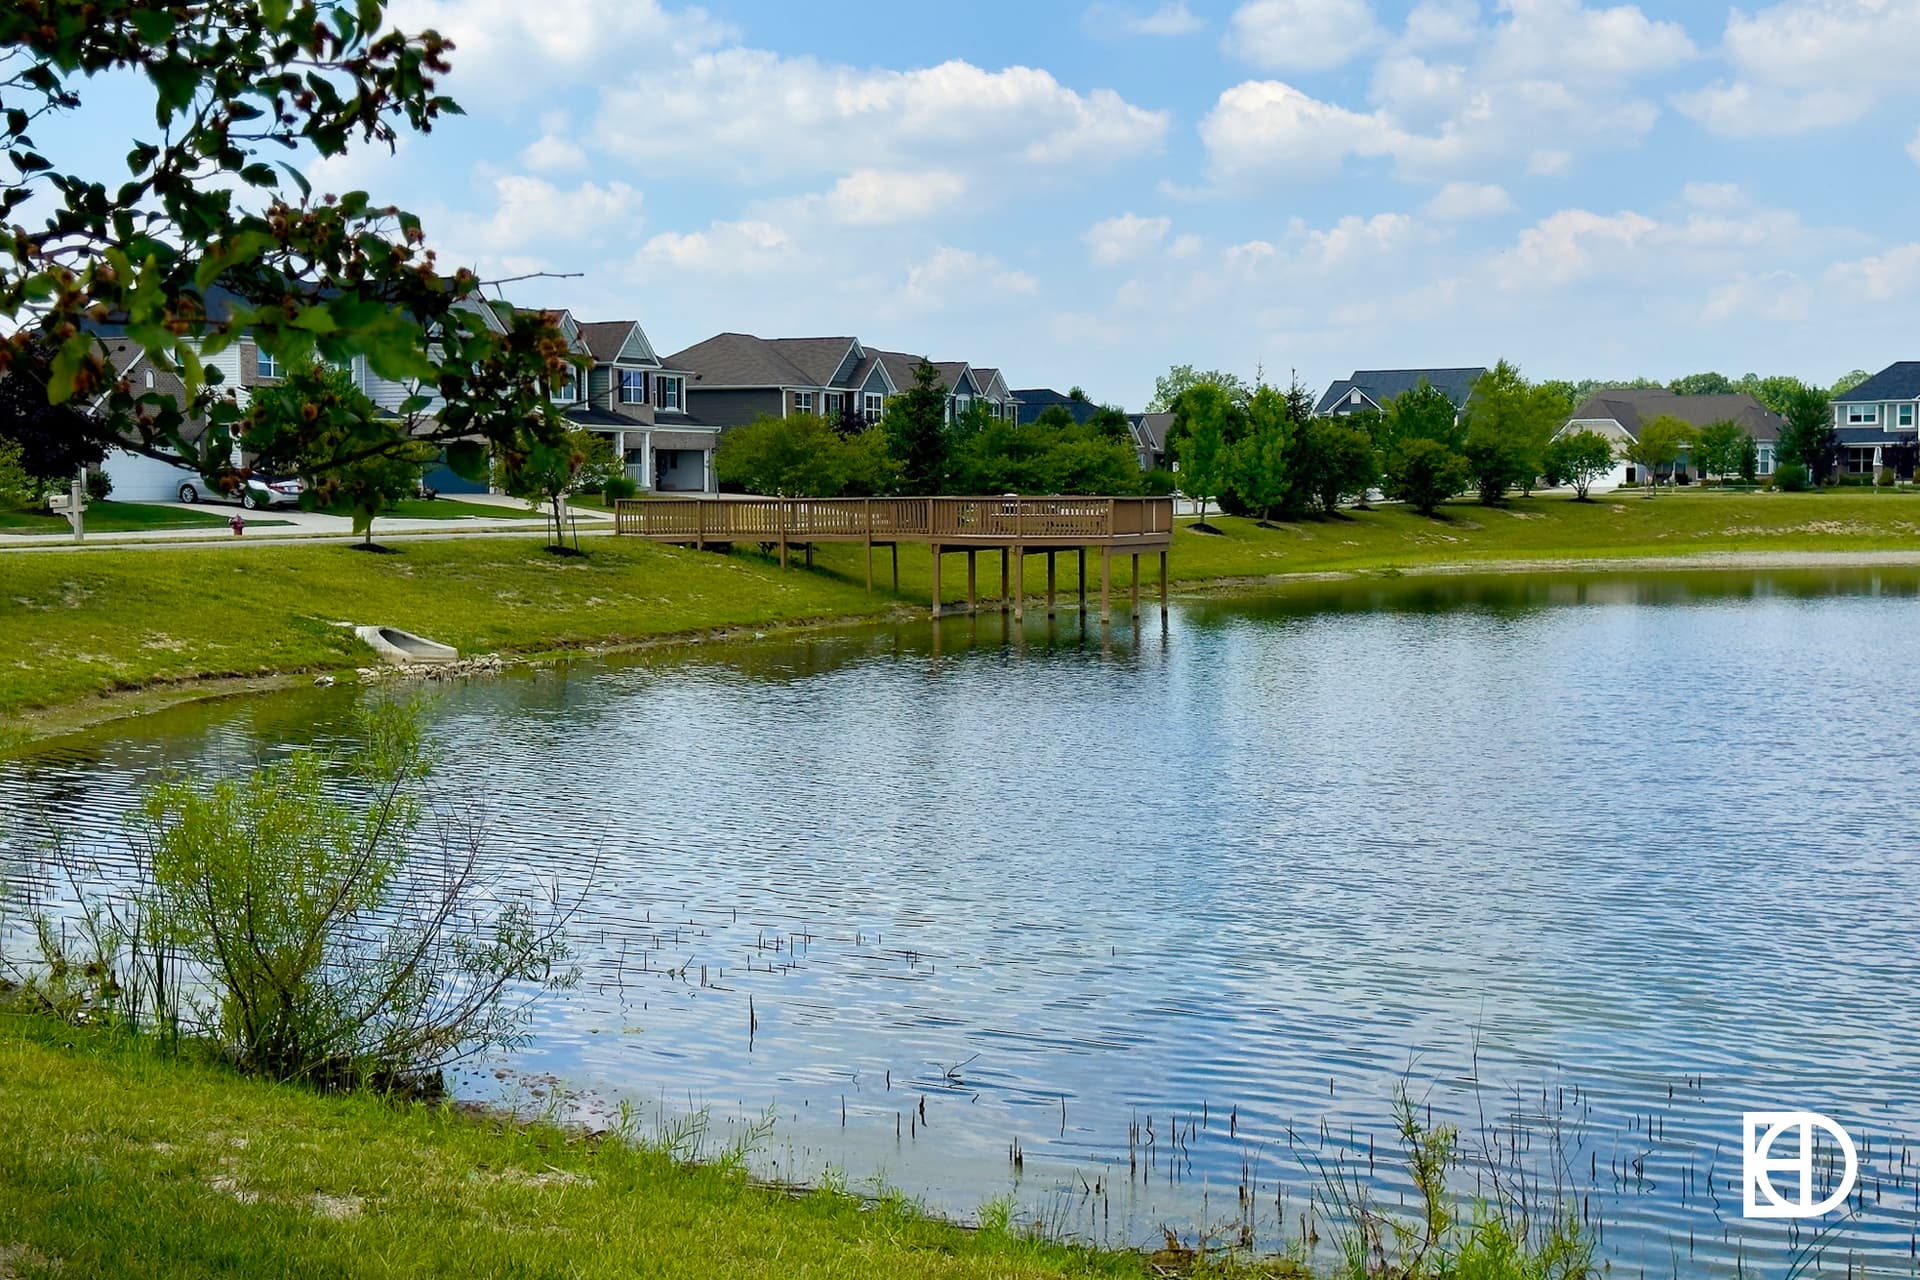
1016 527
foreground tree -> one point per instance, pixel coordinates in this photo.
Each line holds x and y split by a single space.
544 474
200 217
313 419
1657 445
1424 473
916 432
1508 424
1259 461
1718 447
1332 463
1809 438
1577 458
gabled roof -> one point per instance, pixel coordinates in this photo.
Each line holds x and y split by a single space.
739 360
1631 407
1898 381
1038 400
817 358
899 366
955 372
871 363
609 340
1382 385
1150 429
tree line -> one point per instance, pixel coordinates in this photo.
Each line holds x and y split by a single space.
919 447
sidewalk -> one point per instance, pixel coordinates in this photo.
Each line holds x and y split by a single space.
294 525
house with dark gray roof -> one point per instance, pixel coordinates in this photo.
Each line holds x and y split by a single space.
1878 422
1035 401
1618 413
1372 388
628 394
735 378
1150 438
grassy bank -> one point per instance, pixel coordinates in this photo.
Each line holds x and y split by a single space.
123 517
120 1163
75 625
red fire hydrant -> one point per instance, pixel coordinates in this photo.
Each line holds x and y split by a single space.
238 525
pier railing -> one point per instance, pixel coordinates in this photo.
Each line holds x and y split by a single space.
1001 521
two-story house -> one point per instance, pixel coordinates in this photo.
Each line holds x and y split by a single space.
736 378
1878 423
1373 388
628 394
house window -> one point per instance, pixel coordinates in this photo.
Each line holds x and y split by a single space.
666 392
803 402
1906 415
1859 460
1863 414
873 407
633 386
567 390
1766 460
1355 397
266 365
836 405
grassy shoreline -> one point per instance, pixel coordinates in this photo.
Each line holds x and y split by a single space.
152 1166
94 634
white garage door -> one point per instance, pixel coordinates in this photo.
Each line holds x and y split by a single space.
138 478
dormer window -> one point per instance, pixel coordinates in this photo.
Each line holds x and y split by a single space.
1355 397
633 386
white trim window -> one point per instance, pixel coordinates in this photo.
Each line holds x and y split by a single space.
1906 415
1766 461
836 405
872 406
803 402
266 364
1862 415
633 386
567 390
667 390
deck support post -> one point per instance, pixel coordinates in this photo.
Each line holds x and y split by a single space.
1163 586
1106 586
971 606
1082 553
1019 583
809 554
1050 581
1003 580
1135 603
935 548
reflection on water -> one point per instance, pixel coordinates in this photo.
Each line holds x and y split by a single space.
1643 841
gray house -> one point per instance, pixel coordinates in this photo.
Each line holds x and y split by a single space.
631 396
734 378
1876 422
1372 388
1618 413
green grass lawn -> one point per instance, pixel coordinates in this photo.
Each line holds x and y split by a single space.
74 625
443 509
120 1163
123 517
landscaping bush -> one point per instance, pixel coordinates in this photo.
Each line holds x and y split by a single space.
1159 483
1887 479
620 488
289 917
1791 477
99 486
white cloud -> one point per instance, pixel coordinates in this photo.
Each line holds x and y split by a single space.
1714 195
755 116
961 275
1885 277
530 224
550 153
1301 35
882 197
723 249
1565 247
1357 239
1453 98
1781 297
1125 237
501 46
1913 148
1173 19
1461 200
1808 64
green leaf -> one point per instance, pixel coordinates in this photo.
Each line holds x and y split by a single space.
317 319
64 368
299 179
141 157
176 78
275 12
467 459
154 23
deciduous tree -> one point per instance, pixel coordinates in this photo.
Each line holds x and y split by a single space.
1181 378
1717 448
1259 460
1200 440
1657 445
1809 437
317 423
1577 458
1424 473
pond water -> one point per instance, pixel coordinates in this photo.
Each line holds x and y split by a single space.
1592 865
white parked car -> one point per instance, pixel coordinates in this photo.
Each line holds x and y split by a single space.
251 490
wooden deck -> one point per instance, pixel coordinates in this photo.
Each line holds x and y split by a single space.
1016 527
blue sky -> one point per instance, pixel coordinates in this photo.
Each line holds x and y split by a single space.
1087 193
